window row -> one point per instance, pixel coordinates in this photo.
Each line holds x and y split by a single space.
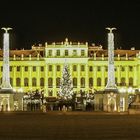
82 82
130 68
26 68
58 67
58 81
26 82
82 68
122 81
66 53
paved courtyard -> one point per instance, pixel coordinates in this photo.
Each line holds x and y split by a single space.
69 126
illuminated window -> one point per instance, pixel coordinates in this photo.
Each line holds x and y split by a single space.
58 68
123 81
74 68
26 68
18 84
75 82
82 52
11 81
66 53
11 68
130 81
122 69
74 52
90 68
42 68
50 67
18 68
82 68
91 82
50 53
82 82
58 52
34 82
58 82
98 68
42 82
130 68
34 68
98 81
50 82
26 82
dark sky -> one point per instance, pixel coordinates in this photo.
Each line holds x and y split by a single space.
41 21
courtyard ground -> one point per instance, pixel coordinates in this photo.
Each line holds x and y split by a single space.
69 126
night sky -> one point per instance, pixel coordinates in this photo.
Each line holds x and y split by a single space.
41 21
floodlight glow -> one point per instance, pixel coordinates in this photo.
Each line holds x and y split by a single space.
14 89
130 90
133 90
122 90
20 90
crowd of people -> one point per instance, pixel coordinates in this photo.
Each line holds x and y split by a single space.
35 101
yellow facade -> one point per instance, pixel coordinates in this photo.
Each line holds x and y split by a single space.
41 67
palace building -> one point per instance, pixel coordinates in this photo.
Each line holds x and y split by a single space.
41 67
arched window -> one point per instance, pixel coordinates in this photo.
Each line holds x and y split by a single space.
98 81
18 83
57 82
130 81
50 82
91 82
123 81
75 82
42 82
11 81
34 82
82 82
26 82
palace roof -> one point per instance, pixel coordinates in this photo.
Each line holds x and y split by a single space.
92 50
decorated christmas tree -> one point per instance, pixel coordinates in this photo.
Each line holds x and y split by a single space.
66 87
